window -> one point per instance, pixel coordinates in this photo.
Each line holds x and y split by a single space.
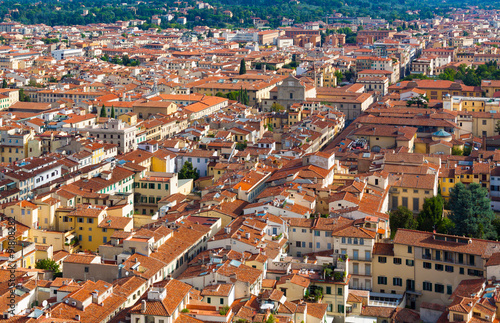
104 239
86 269
80 220
382 260
209 300
297 244
462 271
427 265
90 220
339 291
438 267
317 233
318 245
221 301
427 286
382 280
90 238
343 239
397 281
341 308
410 249
449 269
328 290
397 261
416 204
409 262
438 288
471 260
449 289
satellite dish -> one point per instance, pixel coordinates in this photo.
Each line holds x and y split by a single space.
44 303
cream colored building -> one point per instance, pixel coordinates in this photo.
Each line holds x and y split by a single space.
428 266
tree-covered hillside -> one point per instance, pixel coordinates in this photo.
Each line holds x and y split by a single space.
65 12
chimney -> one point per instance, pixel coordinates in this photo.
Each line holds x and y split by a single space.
143 306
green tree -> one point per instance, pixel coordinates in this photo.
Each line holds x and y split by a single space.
471 211
47 264
401 218
241 146
457 151
276 107
23 97
4 84
126 60
112 112
103 112
497 127
243 67
187 171
271 319
431 217
245 98
339 76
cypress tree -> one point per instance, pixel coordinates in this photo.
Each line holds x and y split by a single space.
243 67
103 112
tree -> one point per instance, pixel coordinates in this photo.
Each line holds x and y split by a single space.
47 264
4 84
187 171
497 127
401 218
112 112
23 97
103 112
241 146
276 107
431 217
456 151
471 211
245 98
271 319
243 67
339 76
